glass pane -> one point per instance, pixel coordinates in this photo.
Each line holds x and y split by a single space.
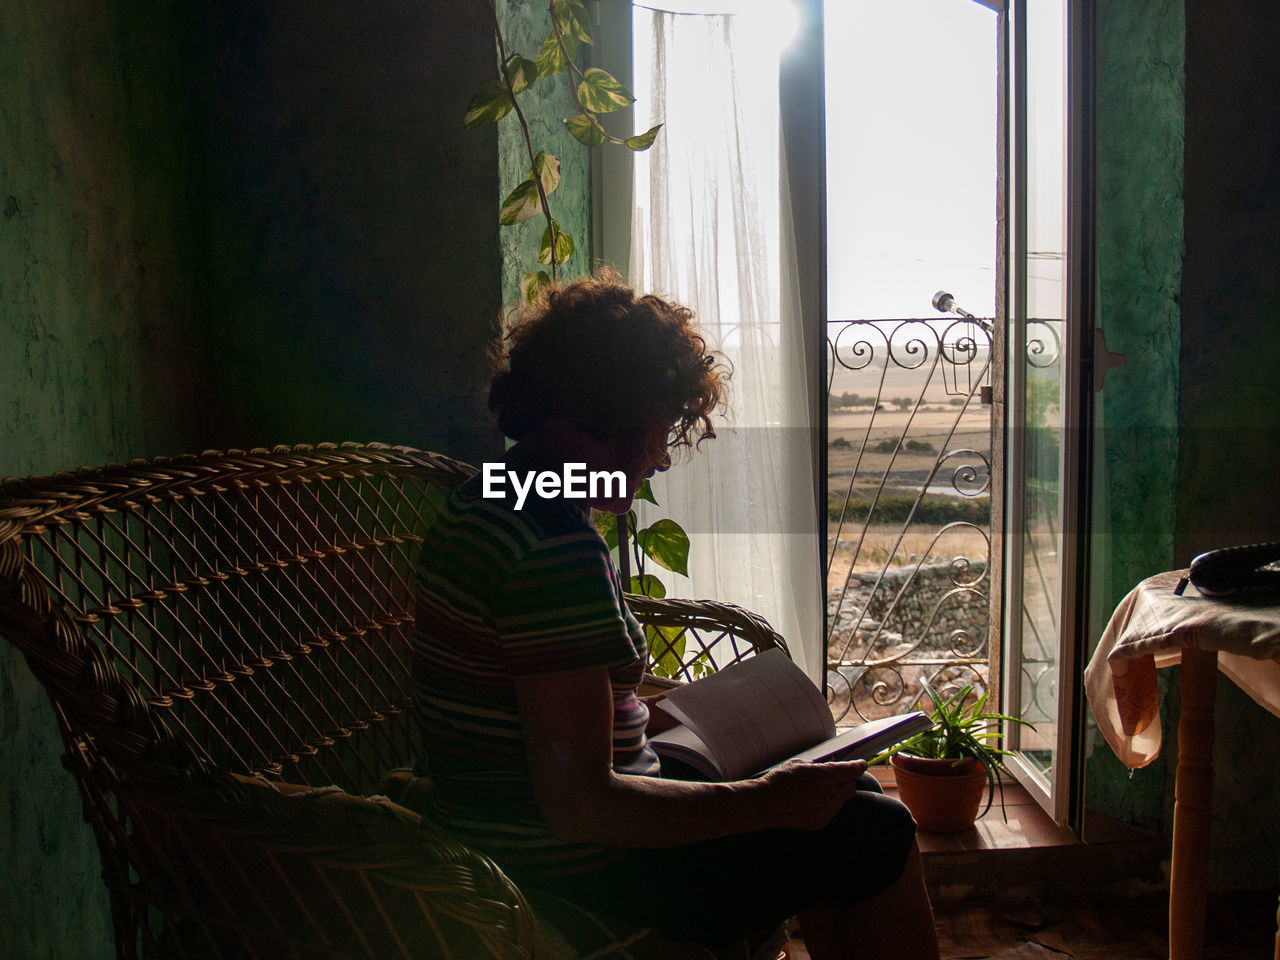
1041 418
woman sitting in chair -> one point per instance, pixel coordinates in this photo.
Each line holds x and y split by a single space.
527 663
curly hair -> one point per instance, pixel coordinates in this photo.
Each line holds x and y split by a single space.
597 355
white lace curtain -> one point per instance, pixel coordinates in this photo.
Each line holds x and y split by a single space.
708 230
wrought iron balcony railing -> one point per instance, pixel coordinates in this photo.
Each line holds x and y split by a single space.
909 492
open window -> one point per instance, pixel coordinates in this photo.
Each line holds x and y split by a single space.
1010 394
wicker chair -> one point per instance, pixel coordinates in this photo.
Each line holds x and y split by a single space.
224 641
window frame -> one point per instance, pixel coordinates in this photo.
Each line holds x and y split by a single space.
1063 797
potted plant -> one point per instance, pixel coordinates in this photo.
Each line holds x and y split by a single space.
941 772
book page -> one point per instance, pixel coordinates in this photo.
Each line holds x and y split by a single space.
867 739
684 745
754 713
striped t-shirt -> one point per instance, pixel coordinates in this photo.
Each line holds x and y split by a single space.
504 593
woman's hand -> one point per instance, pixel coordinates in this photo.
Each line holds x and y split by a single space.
805 796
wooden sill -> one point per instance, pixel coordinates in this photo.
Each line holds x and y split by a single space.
1030 855
1028 825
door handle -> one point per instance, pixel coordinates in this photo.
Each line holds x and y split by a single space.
1104 361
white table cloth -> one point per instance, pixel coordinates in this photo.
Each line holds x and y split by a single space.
1149 629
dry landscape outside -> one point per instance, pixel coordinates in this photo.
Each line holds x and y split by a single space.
932 426
886 454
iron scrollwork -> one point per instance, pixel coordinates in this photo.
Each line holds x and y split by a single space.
907 618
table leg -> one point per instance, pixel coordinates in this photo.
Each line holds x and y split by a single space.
1189 879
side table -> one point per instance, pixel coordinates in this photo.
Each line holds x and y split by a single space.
1154 627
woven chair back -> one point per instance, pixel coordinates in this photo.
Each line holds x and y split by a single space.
250 611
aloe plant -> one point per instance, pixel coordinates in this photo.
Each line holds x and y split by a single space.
962 730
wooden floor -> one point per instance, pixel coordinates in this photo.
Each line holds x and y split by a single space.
1239 928
1026 889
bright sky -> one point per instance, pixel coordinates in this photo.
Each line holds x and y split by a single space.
911 156
911 148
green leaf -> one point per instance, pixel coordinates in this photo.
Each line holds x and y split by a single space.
643 141
564 245
645 493
648 585
521 73
606 525
584 130
547 169
522 203
667 544
491 104
551 58
599 92
701 665
571 15
531 285
666 648
1005 716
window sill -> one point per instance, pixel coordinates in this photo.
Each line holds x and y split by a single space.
1031 856
1028 825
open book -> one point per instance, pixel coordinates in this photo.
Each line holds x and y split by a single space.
758 713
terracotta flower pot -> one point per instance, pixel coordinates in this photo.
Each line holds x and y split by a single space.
943 796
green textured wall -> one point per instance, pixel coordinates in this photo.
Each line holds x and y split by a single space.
1139 124
1188 132
96 361
234 225
546 104
1229 411
1230 407
350 222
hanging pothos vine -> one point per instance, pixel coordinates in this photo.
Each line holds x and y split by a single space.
595 91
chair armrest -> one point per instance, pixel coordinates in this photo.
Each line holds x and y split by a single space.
685 634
